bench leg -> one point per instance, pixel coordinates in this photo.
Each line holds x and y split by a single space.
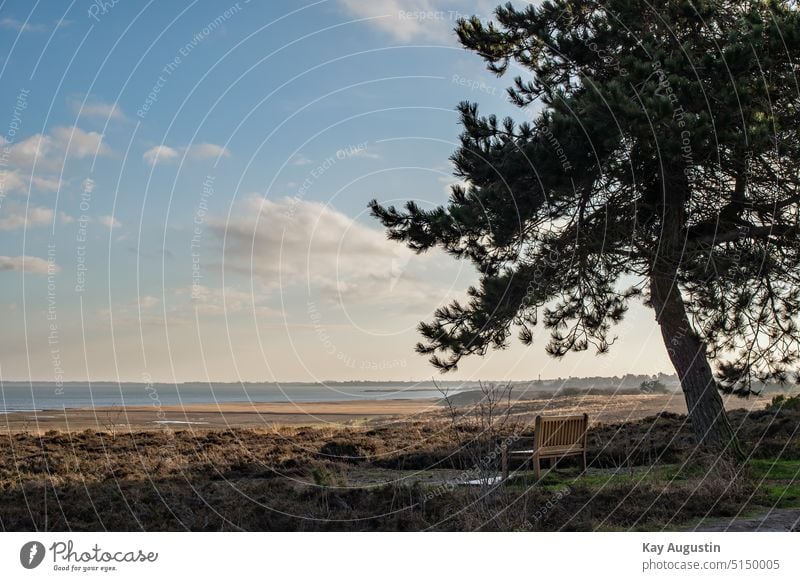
537 469
583 461
504 461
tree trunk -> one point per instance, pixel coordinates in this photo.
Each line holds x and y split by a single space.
688 355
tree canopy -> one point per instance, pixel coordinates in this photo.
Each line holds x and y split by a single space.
662 141
660 160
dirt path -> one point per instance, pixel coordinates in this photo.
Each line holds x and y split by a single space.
770 520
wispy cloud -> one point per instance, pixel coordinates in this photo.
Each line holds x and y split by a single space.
164 154
363 153
15 216
109 222
49 151
225 301
19 26
32 264
16 181
418 20
148 301
10 181
289 242
45 184
207 151
160 154
98 110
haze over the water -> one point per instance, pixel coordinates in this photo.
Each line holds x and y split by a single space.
48 395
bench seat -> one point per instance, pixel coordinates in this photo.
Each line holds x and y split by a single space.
553 437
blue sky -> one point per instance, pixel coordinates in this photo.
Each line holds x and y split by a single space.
183 191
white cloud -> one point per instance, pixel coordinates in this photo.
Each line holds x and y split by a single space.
10 181
418 20
14 216
148 302
17 181
98 110
46 184
32 264
19 26
79 143
160 154
449 181
226 301
290 231
296 242
109 222
50 151
388 17
183 305
28 150
363 153
300 160
166 154
207 151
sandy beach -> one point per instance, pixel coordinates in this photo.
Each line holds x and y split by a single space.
212 415
215 416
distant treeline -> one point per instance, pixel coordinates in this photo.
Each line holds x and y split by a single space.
624 382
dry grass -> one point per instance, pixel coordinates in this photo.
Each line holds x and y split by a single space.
315 478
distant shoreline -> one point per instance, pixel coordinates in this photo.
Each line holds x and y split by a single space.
269 415
627 380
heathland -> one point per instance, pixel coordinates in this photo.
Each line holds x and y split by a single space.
394 465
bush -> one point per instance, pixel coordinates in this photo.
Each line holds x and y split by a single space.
343 451
782 402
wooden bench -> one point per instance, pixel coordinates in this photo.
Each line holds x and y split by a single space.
553 437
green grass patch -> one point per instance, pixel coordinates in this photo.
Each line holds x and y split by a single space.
779 481
558 479
783 495
775 469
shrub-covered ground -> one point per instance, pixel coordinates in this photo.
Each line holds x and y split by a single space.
643 475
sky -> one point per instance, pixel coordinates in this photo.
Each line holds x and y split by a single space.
183 191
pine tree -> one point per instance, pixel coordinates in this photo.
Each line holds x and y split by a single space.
658 162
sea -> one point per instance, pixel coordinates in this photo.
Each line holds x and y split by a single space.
42 396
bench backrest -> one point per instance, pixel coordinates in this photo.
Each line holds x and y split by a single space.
561 431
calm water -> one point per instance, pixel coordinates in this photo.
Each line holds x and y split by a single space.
16 396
